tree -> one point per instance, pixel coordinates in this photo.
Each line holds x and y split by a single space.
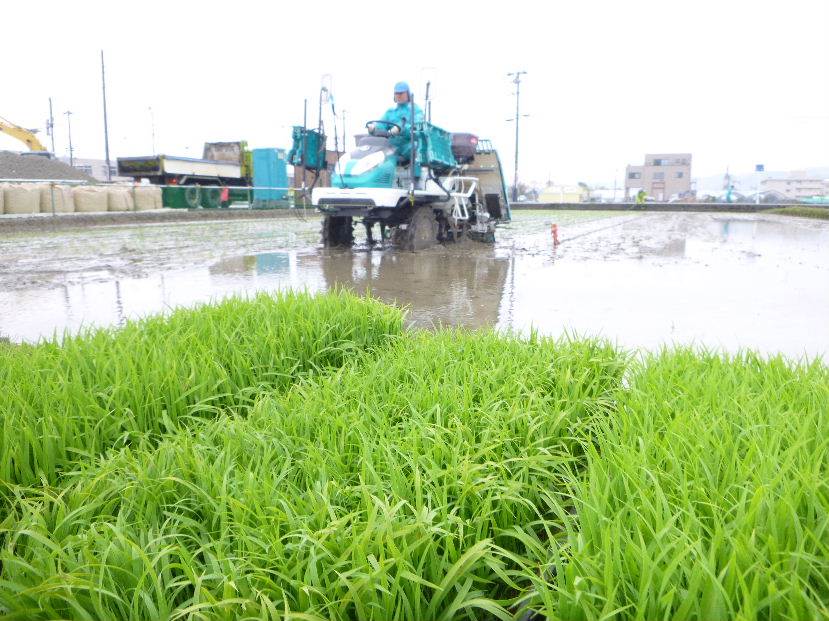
525 190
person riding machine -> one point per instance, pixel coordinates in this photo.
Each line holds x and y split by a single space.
403 174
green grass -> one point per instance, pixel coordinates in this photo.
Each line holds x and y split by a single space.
820 213
66 401
449 475
403 486
705 497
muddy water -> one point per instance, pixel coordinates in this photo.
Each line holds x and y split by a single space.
642 280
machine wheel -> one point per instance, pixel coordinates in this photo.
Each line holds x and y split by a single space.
421 231
337 231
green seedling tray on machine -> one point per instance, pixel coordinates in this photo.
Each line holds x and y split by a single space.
315 153
434 147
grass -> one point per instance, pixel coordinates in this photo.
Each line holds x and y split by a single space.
820 213
402 486
68 400
705 497
452 475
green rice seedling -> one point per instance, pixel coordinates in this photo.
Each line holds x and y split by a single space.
422 481
705 497
67 400
451 476
802 211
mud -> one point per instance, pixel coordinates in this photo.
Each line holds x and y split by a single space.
47 222
721 281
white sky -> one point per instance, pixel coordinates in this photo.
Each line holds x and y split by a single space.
734 82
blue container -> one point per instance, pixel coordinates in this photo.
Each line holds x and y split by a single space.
270 170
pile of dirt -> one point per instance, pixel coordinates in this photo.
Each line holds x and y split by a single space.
31 166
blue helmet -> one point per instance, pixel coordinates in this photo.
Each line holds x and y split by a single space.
401 87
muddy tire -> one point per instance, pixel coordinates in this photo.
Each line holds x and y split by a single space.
337 231
421 231
192 196
211 198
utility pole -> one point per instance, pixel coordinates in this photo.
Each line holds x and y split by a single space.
68 114
152 129
615 175
345 135
50 127
517 81
106 126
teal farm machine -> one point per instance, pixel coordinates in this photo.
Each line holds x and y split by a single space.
421 184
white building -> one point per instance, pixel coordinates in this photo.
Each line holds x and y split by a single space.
96 168
796 187
606 195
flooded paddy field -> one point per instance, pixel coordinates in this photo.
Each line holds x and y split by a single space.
723 281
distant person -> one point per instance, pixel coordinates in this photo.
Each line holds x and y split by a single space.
400 114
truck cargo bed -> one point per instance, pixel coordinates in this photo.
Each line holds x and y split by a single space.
158 165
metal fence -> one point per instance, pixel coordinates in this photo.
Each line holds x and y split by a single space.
175 196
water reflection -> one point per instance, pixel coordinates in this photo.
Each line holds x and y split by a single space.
770 234
439 287
278 263
720 281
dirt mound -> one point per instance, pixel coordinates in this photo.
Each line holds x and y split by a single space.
30 166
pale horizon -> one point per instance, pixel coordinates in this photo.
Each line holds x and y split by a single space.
734 84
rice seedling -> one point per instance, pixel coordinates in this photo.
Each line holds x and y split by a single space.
802 211
67 400
705 497
447 475
417 483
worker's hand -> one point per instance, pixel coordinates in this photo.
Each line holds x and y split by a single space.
394 130
371 128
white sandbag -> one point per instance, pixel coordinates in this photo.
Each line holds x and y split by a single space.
147 197
89 199
119 199
21 198
64 203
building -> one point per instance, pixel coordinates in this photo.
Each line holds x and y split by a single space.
96 169
768 196
662 176
563 194
606 195
796 187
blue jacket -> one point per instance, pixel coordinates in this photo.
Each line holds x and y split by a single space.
400 114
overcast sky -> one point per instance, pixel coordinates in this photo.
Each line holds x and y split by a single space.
733 82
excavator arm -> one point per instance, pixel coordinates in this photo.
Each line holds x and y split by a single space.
23 135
